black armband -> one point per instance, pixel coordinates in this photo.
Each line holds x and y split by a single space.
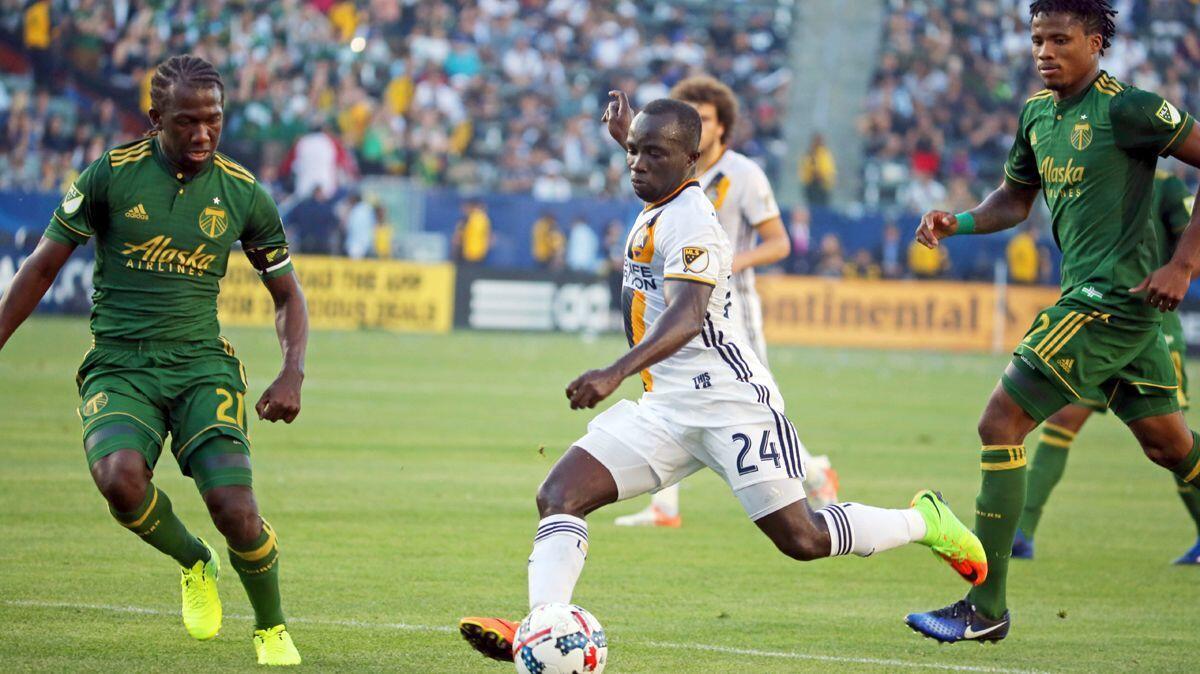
267 260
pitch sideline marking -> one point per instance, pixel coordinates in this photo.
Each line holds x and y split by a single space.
408 627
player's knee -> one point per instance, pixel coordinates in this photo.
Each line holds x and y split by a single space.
1165 446
235 515
803 548
123 480
1163 453
554 498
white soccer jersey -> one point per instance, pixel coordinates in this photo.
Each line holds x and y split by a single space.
680 238
742 196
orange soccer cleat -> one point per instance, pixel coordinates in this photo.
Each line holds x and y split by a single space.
491 636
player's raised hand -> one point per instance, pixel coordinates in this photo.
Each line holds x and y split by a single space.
281 400
935 226
591 387
1164 287
618 115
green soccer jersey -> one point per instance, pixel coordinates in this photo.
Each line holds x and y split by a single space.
1094 157
1170 210
163 240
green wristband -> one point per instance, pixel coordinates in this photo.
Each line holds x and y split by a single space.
966 223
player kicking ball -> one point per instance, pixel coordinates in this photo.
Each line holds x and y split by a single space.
708 401
164 211
1089 144
1170 210
745 206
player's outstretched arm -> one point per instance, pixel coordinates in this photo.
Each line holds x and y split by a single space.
687 302
31 282
618 115
1006 207
281 400
1166 286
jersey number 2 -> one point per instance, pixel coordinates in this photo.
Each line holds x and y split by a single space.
766 452
227 401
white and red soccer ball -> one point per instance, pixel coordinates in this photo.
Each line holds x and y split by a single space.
560 639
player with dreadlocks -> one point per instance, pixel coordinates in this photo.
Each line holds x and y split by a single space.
165 211
1090 144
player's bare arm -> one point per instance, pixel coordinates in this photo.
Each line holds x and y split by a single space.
682 320
31 282
618 115
1166 286
281 400
773 246
1006 207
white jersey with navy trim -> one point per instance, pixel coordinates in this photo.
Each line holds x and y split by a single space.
679 238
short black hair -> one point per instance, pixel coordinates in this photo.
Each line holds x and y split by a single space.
1095 15
684 114
183 69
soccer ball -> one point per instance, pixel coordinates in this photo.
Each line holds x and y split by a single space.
560 639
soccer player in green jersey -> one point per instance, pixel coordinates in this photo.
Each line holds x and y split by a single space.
164 212
1170 210
1089 144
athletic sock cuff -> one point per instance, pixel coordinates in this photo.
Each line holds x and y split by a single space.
841 537
147 514
1188 470
1002 457
258 556
567 525
1058 432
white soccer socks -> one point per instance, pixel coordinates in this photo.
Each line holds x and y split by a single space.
865 530
667 500
559 550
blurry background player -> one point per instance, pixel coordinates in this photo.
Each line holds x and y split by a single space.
746 208
1089 144
731 418
1170 212
164 212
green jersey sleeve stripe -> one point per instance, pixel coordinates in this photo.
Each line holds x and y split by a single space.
1187 123
64 224
1015 179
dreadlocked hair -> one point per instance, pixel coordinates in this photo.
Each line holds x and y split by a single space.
182 70
1095 15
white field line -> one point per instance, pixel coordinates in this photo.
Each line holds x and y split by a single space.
407 627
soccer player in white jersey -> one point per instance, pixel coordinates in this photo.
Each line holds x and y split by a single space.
708 401
746 208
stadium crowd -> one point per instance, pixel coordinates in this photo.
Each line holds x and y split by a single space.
499 95
941 113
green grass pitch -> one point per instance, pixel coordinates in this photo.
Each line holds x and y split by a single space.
403 497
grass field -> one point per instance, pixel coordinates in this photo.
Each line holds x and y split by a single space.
403 497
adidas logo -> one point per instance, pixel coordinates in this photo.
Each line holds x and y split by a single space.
137 213
1066 364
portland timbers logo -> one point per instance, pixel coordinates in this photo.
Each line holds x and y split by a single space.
695 259
95 404
1081 136
213 222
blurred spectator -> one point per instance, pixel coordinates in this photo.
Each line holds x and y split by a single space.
614 246
927 263
359 226
1022 254
37 34
800 231
547 242
473 237
318 159
818 172
890 252
830 260
862 266
315 223
925 194
583 248
382 238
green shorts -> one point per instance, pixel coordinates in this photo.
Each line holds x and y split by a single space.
132 394
1077 355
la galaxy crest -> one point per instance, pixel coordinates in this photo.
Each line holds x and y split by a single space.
213 222
1081 136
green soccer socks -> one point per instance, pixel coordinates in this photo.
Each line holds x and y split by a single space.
157 524
258 567
997 509
1049 463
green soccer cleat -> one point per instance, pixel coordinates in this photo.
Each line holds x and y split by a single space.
275 648
949 538
201 604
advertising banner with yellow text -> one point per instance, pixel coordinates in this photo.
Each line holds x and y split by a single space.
348 294
932 315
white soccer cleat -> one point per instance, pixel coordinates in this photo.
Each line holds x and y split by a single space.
651 516
820 482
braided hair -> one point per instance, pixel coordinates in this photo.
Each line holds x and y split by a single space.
184 69
1095 15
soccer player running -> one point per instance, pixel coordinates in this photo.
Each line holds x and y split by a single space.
1170 211
708 401
1090 144
746 208
164 212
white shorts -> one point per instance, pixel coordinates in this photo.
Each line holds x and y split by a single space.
758 454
